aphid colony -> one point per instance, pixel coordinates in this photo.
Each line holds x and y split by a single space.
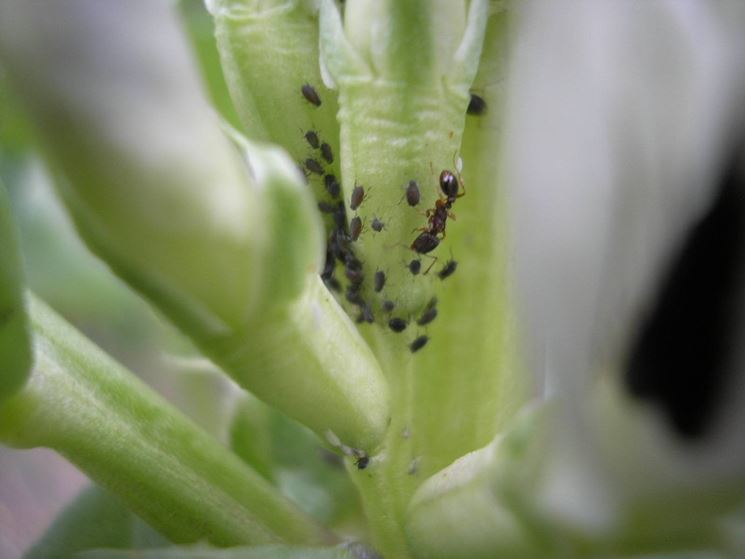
345 233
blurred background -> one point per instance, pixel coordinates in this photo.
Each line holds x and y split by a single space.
36 484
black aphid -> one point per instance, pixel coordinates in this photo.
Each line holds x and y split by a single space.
362 460
313 166
379 281
353 295
415 266
366 314
358 195
355 228
476 105
332 186
412 193
353 271
418 344
388 306
312 139
326 207
326 153
429 313
448 269
377 225
311 95
330 264
397 324
333 284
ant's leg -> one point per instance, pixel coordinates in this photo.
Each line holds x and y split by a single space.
434 261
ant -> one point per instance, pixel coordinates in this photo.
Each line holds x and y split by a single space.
437 217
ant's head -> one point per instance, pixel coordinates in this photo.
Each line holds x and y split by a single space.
449 184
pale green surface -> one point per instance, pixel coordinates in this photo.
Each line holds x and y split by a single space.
105 421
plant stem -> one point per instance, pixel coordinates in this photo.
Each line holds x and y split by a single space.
85 406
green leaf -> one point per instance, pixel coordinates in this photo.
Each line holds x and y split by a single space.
104 420
95 519
15 343
346 551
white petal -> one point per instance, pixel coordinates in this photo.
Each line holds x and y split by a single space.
618 121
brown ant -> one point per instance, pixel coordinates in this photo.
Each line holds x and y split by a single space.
437 217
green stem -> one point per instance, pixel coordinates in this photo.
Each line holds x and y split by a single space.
455 394
82 404
330 377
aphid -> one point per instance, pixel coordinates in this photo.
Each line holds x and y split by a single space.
412 193
354 297
418 344
397 324
377 225
415 266
312 139
361 459
332 186
414 466
333 284
355 228
388 306
448 269
328 268
379 281
353 271
340 216
429 313
311 95
326 207
366 314
326 153
313 166
476 105
358 195
425 242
